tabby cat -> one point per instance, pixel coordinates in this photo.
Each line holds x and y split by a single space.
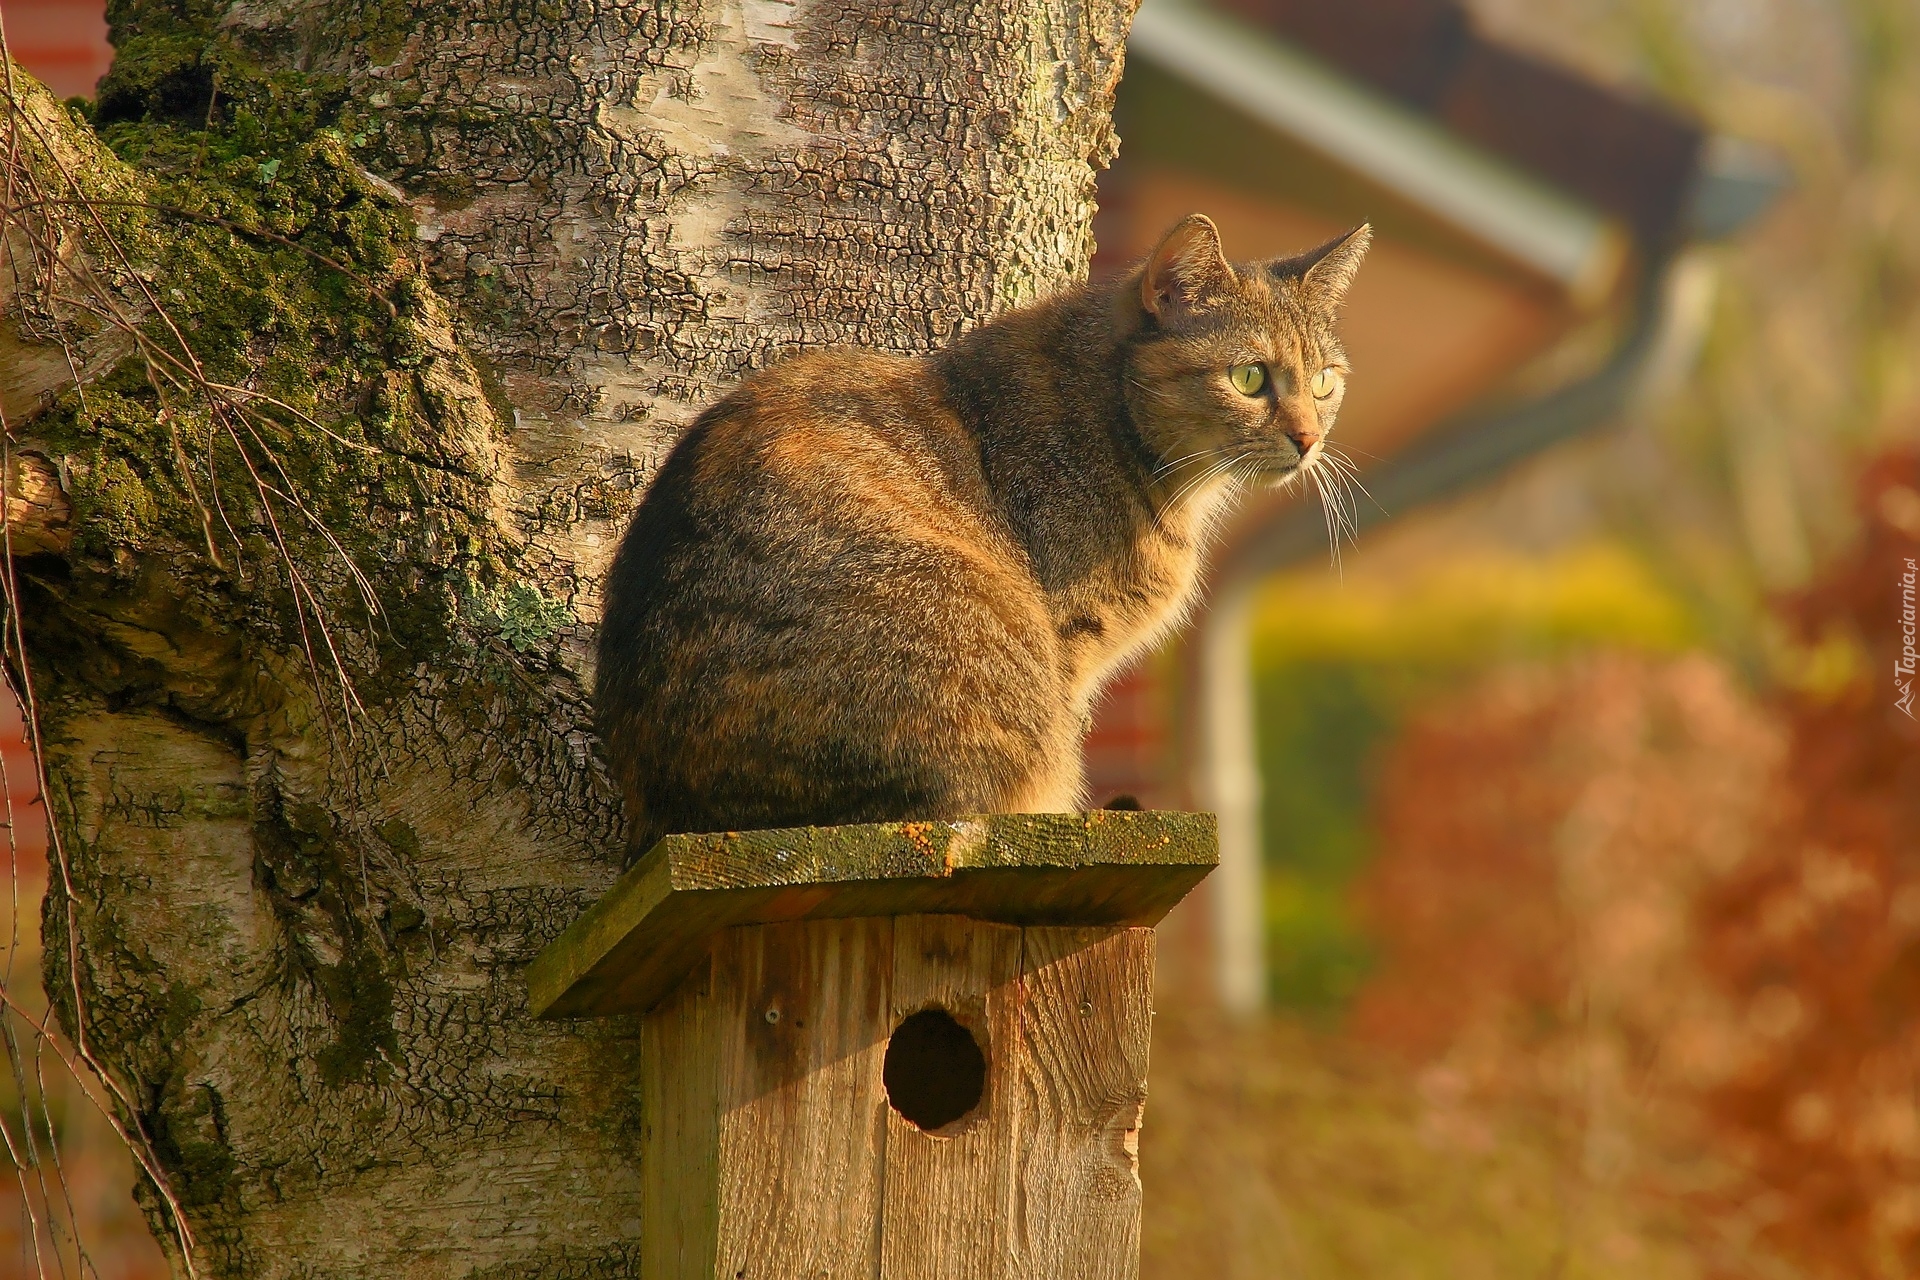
868 587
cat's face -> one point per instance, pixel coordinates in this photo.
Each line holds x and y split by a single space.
1236 372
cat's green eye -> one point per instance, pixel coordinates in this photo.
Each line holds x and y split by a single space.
1248 379
1326 382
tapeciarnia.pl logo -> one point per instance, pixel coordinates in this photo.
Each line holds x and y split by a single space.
1903 665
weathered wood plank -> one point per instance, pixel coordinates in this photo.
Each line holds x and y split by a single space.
949 1194
802 1024
1086 1020
771 1150
680 1104
1106 867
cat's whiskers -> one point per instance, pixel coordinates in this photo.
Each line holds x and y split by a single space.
1165 467
1222 454
1340 484
1326 516
1151 391
1341 488
1069 403
1336 508
1213 470
1343 502
1351 504
1350 475
1253 473
1195 483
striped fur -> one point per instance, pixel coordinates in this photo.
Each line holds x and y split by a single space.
868 587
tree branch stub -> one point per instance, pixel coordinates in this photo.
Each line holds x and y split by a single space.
39 517
305 906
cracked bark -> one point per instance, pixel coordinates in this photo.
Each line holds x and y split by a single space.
38 516
301 934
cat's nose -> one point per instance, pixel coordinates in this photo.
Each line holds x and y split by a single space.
1304 437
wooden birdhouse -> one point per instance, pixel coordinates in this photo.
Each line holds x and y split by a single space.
904 1050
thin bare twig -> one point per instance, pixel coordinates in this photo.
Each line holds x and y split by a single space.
59 276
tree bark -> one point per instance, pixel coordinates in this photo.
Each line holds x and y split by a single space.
507 253
38 516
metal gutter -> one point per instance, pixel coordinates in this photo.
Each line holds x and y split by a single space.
1457 455
1668 312
1516 214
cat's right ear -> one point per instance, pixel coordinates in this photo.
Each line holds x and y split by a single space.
1327 273
1186 269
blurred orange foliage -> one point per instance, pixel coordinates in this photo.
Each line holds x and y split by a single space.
1824 921
1684 920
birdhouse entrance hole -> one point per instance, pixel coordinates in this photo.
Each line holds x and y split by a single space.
861 1046
935 1073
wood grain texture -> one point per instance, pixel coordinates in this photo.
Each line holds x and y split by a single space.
949 1195
773 1154
680 1103
801 1027
1086 1022
1105 867
376 1101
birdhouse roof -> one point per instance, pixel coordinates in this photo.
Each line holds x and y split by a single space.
1108 867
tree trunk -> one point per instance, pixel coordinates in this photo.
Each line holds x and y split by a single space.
452 278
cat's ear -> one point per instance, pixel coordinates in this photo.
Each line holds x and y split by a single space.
1185 270
1326 273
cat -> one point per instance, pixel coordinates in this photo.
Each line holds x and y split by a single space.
867 587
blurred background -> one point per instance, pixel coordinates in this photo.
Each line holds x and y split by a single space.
1568 921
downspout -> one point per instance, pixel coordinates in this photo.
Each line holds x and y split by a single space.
1228 782
1669 314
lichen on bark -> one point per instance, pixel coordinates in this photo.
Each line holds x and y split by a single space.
431 289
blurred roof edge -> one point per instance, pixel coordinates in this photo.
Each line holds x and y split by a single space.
1556 235
1573 181
1629 156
